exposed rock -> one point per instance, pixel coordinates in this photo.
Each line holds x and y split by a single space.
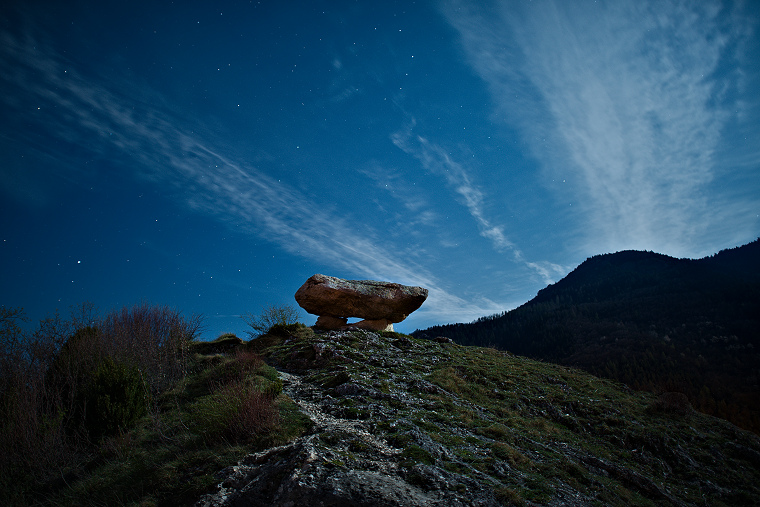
396 422
380 304
344 461
330 322
301 473
375 325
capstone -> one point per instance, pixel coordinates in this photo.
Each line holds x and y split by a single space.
380 304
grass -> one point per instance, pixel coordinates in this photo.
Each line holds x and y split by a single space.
227 407
528 427
525 432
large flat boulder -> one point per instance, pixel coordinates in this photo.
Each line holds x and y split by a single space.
381 304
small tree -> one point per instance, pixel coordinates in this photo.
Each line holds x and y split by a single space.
270 315
115 398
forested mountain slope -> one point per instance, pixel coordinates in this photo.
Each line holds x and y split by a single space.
649 320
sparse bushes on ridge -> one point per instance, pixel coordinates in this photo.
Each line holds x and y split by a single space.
270 316
278 334
74 380
129 408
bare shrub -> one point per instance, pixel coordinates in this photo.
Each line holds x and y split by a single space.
235 411
35 404
44 377
11 337
271 315
257 413
248 361
155 338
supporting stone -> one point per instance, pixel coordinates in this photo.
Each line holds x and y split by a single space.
329 322
374 325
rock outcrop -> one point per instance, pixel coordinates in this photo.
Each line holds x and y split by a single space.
347 459
380 304
413 422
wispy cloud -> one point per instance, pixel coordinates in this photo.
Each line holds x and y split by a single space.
164 148
624 100
436 160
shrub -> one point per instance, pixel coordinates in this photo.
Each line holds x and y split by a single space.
248 361
78 374
241 404
115 398
257 413
270 316
155 338
71 372
236 412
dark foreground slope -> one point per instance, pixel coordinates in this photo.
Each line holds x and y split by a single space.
649 320
405 421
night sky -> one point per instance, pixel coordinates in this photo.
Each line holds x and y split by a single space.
211 156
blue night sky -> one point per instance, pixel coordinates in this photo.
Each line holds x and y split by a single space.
211 156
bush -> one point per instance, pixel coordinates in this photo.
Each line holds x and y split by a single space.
236 412
115 399
257 413
79 376
155 338
35 404
71 372
270 316
241 403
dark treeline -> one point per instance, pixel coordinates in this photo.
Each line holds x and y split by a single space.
649 320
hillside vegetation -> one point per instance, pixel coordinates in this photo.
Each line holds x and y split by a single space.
130 410
650 321
443 423
299 417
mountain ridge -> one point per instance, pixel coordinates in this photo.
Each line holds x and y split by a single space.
652 321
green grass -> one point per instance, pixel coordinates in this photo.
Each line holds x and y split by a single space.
532 427
171 456
522 429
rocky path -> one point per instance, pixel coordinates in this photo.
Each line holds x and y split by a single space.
360 450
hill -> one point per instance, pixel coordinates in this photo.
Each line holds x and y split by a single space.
405 421
366 418
651 321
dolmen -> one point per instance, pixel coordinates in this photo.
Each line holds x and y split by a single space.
380 304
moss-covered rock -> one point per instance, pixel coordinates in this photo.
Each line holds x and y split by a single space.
443 424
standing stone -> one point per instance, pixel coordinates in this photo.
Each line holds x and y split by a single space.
380 304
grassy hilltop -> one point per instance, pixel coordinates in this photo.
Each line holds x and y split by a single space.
373 418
